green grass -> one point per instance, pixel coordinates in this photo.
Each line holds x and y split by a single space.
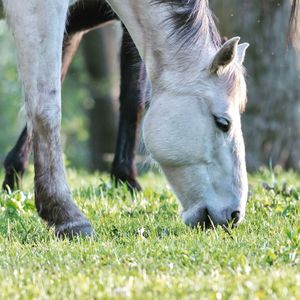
142 250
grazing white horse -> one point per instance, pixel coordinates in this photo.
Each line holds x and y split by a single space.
192 128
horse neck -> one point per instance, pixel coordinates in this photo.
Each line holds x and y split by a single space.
168 62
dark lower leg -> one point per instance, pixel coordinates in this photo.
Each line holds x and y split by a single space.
131 109
52 195
16 161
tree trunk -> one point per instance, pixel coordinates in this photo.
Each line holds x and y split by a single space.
101 49
271 124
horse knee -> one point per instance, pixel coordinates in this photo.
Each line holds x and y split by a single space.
46 118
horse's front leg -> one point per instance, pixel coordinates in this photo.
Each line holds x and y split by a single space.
16 161
38 28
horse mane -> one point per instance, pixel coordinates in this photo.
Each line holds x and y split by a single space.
192 19
193 22
293 19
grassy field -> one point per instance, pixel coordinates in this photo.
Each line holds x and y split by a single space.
143 251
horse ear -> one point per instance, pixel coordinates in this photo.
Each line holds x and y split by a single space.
241 51
225 55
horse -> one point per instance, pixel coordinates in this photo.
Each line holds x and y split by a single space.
82 19
192 127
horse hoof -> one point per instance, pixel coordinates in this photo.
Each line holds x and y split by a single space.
119 178
10 183
133 185
74 229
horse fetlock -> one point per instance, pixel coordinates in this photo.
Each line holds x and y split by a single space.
62 213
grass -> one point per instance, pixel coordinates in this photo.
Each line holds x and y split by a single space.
143 251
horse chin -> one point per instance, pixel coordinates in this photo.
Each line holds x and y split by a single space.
197 217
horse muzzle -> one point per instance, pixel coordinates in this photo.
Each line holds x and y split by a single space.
204 218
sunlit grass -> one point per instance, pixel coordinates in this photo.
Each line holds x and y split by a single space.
141 249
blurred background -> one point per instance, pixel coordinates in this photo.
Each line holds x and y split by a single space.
271 123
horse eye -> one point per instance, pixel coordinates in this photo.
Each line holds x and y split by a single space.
222 123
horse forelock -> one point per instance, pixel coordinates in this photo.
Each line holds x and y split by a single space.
192 21
234 78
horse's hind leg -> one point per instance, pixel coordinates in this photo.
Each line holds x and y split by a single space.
131 109
16 161
38 28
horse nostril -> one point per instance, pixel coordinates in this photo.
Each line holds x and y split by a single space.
235 216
